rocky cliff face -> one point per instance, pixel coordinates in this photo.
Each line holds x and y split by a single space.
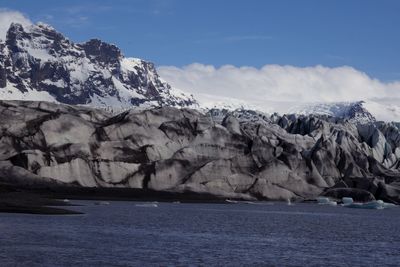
178 150
39 63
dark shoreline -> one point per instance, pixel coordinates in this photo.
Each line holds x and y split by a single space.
28 209
127 194
48 200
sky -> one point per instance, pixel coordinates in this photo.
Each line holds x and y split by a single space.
360 33
279 50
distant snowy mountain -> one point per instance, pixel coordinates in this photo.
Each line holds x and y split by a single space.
358 112
39 63
352 111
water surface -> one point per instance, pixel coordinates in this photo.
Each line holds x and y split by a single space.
122 234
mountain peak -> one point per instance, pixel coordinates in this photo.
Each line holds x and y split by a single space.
102 51
39 63
45 26
351 111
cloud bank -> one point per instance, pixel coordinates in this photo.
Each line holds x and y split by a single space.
279 88
9 16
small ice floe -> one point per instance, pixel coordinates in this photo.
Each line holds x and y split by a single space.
375 204
147 205
176 202
65 200
347 200
326 201
250 202
389 205
102 203
245 202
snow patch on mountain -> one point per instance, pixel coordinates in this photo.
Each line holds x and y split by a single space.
10 92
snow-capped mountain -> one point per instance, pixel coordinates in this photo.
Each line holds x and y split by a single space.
352 111
39 63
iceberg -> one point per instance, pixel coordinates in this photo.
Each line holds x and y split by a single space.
347 200
326 201
376 204
102 203
389 205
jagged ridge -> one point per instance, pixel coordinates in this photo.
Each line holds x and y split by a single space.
39 63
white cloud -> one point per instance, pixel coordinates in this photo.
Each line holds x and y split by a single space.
9 16
279 88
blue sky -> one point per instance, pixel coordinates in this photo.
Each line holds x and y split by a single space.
359 33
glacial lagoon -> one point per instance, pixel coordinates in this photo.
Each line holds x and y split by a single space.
175 234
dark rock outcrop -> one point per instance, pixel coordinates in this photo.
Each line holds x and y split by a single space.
180 150
359 195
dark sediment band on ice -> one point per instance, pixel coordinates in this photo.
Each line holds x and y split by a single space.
168 152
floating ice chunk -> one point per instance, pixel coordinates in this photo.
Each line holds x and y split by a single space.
389 205
347 200
376 204
326 201
102 203
322 200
